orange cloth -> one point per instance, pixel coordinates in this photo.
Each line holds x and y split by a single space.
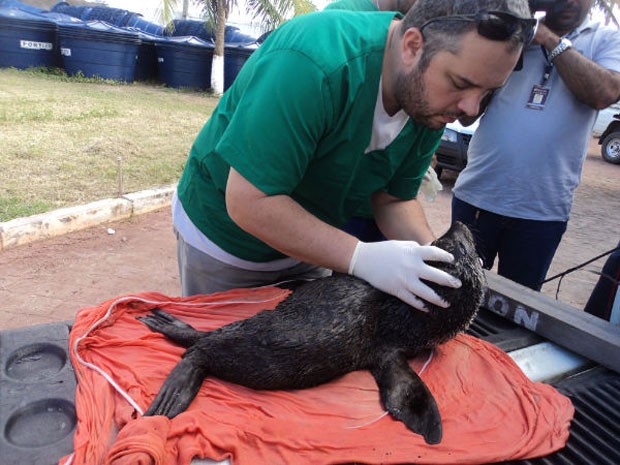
491 412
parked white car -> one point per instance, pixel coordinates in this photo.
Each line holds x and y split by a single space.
605 117
609 141
452 151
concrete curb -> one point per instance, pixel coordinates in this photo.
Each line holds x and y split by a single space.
22 231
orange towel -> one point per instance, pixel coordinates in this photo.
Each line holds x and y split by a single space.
491 412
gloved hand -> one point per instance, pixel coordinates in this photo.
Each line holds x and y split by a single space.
397 267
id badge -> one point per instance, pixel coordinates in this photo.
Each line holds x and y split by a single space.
538 97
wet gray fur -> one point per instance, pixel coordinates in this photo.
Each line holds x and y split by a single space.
325 329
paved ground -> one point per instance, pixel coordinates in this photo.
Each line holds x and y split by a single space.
50 280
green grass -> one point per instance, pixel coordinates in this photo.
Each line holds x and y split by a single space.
62 138
14 207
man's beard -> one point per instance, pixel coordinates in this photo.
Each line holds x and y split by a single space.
565 20
411 95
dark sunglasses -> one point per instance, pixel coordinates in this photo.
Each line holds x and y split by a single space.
496 25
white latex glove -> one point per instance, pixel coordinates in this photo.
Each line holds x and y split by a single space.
397 267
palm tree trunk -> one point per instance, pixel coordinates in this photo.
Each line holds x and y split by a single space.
217 69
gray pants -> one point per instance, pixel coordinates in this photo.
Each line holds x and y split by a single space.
203 274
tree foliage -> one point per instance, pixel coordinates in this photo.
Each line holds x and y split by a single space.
611 10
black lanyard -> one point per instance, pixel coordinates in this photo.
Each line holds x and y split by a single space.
548 67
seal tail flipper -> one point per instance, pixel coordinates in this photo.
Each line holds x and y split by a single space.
406 397
174 329
178 390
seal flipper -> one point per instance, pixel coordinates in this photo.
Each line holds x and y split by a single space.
174 329
179 389
406 397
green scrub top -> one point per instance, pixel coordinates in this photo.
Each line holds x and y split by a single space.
297 121
352 5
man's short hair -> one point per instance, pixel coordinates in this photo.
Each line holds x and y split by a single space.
445 35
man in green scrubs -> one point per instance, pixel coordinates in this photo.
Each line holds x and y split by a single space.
335 111
371 5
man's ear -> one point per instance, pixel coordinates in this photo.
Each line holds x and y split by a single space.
412 44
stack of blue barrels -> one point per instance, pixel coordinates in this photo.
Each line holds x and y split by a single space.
190 46
117 44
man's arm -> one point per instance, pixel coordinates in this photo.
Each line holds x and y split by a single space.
401 219
592 84
396 267
283 224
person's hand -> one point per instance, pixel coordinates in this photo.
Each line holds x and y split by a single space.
545 36
397 268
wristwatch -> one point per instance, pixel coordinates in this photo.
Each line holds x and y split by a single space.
564 45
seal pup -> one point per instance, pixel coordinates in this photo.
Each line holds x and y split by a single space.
325 329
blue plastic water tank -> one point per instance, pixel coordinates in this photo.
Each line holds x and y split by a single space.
233 35
235 55
202 30
146 63
98 49
115 16
185 62
26 40
20 6
59 17
189 28
77 11
137 22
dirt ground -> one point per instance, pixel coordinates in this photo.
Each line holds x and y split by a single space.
49 281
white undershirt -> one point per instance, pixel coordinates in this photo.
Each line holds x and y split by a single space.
385 128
